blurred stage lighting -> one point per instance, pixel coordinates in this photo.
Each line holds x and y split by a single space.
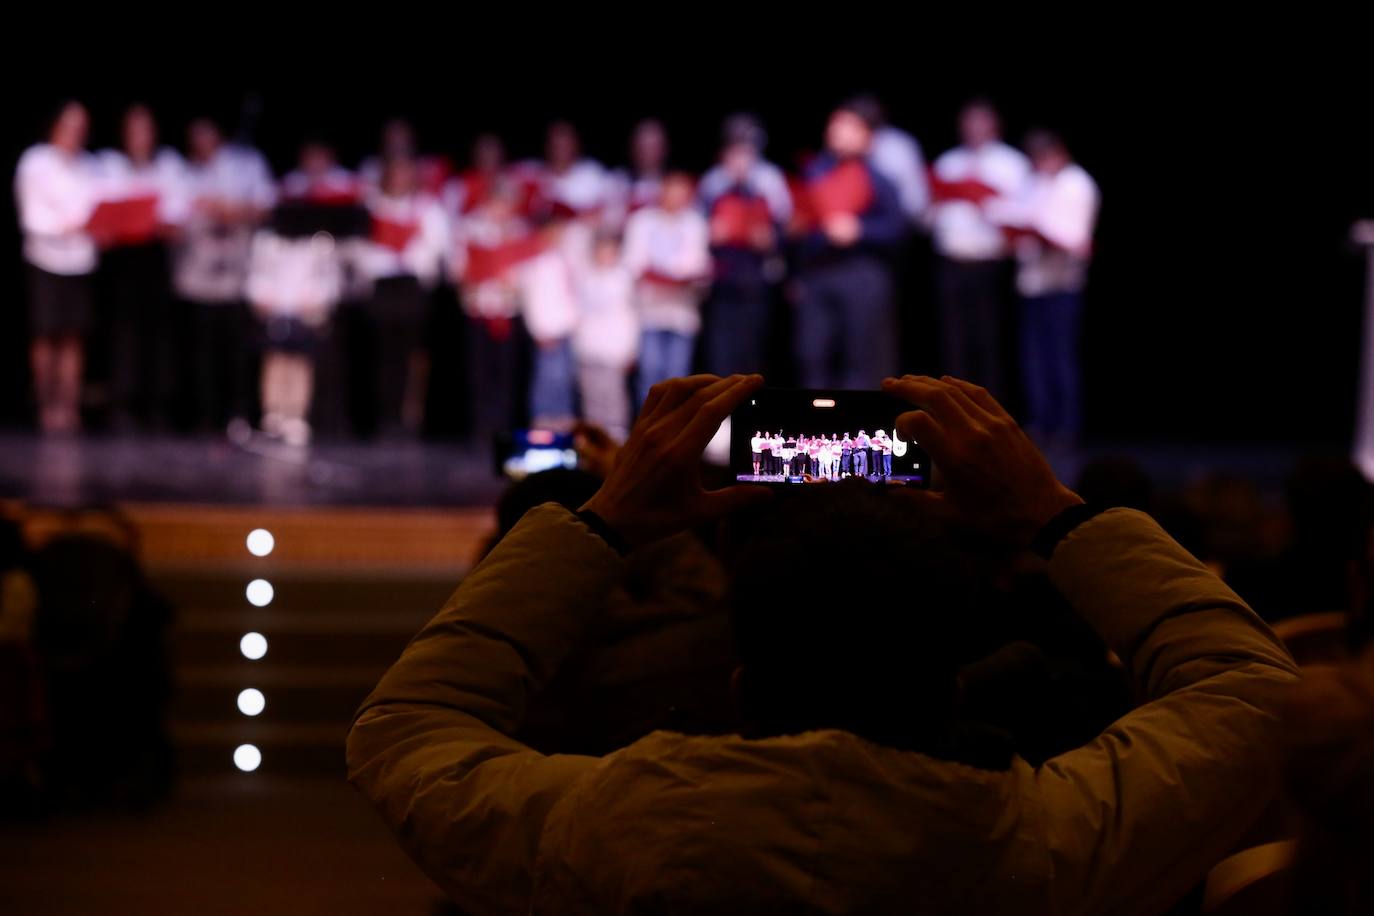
251 701
259 593
253 646
247 757
260 542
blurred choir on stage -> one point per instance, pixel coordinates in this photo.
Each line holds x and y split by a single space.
212 288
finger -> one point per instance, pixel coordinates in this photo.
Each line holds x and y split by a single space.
719 503
920 428
673 392
979 395
710 415
936 397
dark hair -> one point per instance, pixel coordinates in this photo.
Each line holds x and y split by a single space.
1040 142
743 128
851 610
867 108
54 114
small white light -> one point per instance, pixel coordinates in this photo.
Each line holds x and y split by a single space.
260 542
247 757
259 593
823 402
253 646
251 701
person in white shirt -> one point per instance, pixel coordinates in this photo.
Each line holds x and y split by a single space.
1052 220
55 194
972 281
409 247
756 450
606 341
294 283
227 191
667 250
747 202
319 180
565 184
638 186
897 156
147 182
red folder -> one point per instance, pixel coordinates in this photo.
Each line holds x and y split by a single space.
492 262
129 221
662 279
969 189
844 190
393 235
735 218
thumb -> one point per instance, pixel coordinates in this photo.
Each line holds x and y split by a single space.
718 503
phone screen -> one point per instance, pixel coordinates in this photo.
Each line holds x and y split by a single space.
799 436
522 452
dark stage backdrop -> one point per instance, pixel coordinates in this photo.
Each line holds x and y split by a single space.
1225 303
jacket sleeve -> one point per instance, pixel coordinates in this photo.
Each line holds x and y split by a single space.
430 746
1137 817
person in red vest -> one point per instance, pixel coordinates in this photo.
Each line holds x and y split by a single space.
846 322
408 249
746 200
494 241
467 191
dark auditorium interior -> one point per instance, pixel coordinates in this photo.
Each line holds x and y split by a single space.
300 352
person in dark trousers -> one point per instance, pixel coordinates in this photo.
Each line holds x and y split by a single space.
144 180
972 276
846 329
55 195
228 189
861 465
746 200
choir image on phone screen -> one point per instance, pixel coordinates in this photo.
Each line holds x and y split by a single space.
808 436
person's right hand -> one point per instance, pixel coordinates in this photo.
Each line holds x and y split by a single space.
996 482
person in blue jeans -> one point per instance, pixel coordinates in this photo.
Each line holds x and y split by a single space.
667 250
1052 219
663 354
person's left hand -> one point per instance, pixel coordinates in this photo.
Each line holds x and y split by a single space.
654 486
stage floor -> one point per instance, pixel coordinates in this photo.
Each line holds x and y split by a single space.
94 470
100 469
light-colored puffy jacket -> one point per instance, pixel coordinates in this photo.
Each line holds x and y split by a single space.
822 822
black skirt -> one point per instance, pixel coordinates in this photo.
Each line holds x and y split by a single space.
59 304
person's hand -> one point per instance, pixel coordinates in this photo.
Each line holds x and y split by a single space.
596 447
996 482
843 229
654 487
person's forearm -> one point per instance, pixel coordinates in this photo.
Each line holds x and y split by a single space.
1156 605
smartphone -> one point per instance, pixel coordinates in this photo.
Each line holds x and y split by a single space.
522 452
787 437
